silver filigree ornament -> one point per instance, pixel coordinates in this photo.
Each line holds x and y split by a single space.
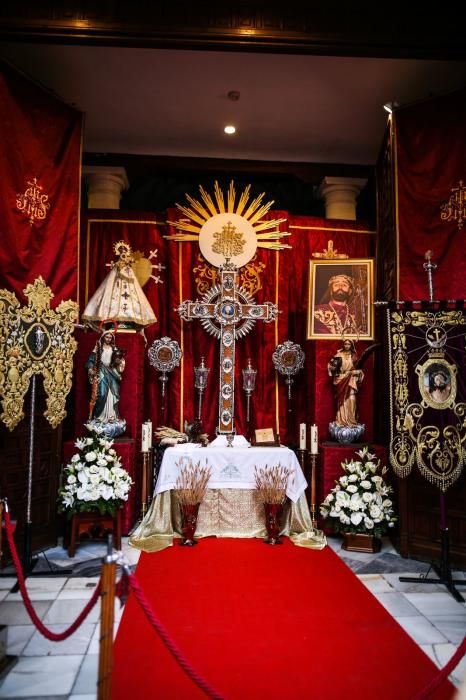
288 360
164 355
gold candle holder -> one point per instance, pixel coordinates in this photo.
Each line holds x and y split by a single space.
313 456
145 482
302 460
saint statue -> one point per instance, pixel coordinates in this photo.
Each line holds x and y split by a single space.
105 367
347 379
119 297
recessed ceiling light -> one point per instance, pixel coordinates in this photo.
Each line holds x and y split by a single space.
230 129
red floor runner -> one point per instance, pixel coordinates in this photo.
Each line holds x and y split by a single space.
261 622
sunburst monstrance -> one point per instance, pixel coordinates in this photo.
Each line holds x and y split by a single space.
228 230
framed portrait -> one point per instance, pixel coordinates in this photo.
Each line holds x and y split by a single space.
437 383
340 299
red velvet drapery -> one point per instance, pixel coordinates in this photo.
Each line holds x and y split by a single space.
280 277
431 192
40 171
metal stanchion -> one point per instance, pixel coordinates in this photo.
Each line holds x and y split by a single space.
104 680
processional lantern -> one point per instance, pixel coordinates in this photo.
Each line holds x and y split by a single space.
164 355
249 383
201 375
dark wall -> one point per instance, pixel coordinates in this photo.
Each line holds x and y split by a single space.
158 183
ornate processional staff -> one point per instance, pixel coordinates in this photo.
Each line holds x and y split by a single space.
229 234
35 340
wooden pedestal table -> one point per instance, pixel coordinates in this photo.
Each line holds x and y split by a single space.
95 526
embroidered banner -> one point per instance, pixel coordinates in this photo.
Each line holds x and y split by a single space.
431 194
427 370
40 160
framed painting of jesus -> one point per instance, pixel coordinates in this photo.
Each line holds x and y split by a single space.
340 299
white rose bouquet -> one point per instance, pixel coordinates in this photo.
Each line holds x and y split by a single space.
359 501
94 478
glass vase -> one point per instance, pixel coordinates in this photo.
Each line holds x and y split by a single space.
189 513
273 514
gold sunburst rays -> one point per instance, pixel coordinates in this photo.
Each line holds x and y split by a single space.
200 211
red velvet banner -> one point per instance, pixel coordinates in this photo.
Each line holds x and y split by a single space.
40 162
431 191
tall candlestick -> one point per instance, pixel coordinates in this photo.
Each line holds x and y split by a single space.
302 436
314 440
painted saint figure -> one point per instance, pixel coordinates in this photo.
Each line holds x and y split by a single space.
336 316
105 367
346 381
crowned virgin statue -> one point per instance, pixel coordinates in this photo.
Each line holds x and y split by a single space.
120 298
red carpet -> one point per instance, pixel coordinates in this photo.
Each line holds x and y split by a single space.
261 623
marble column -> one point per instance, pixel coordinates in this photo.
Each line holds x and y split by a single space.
340 195
104 186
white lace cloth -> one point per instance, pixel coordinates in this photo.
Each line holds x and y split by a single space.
232 467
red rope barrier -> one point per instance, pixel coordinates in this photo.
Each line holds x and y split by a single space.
48 634
169 642
444 673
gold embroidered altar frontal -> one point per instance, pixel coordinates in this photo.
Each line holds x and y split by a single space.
223 513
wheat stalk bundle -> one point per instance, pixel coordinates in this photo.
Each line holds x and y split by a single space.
271 483
191 484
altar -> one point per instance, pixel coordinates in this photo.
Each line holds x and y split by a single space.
231 507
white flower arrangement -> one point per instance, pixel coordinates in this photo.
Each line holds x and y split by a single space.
94 478
359 502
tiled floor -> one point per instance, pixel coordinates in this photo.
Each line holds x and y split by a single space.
68 669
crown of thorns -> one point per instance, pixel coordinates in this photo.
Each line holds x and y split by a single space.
347 279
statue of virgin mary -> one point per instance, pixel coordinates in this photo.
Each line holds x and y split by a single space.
119 297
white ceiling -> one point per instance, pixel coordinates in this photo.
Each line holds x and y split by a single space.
174 102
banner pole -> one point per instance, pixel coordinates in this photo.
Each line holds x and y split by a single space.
27 554
104 680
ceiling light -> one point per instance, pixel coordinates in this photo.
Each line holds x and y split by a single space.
390 106
230 129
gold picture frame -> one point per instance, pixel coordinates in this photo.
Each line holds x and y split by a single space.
437 383
340 299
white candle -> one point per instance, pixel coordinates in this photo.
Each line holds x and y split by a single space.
146 439
302 436
143 438
314 440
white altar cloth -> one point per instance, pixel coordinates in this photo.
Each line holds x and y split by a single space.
232 467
